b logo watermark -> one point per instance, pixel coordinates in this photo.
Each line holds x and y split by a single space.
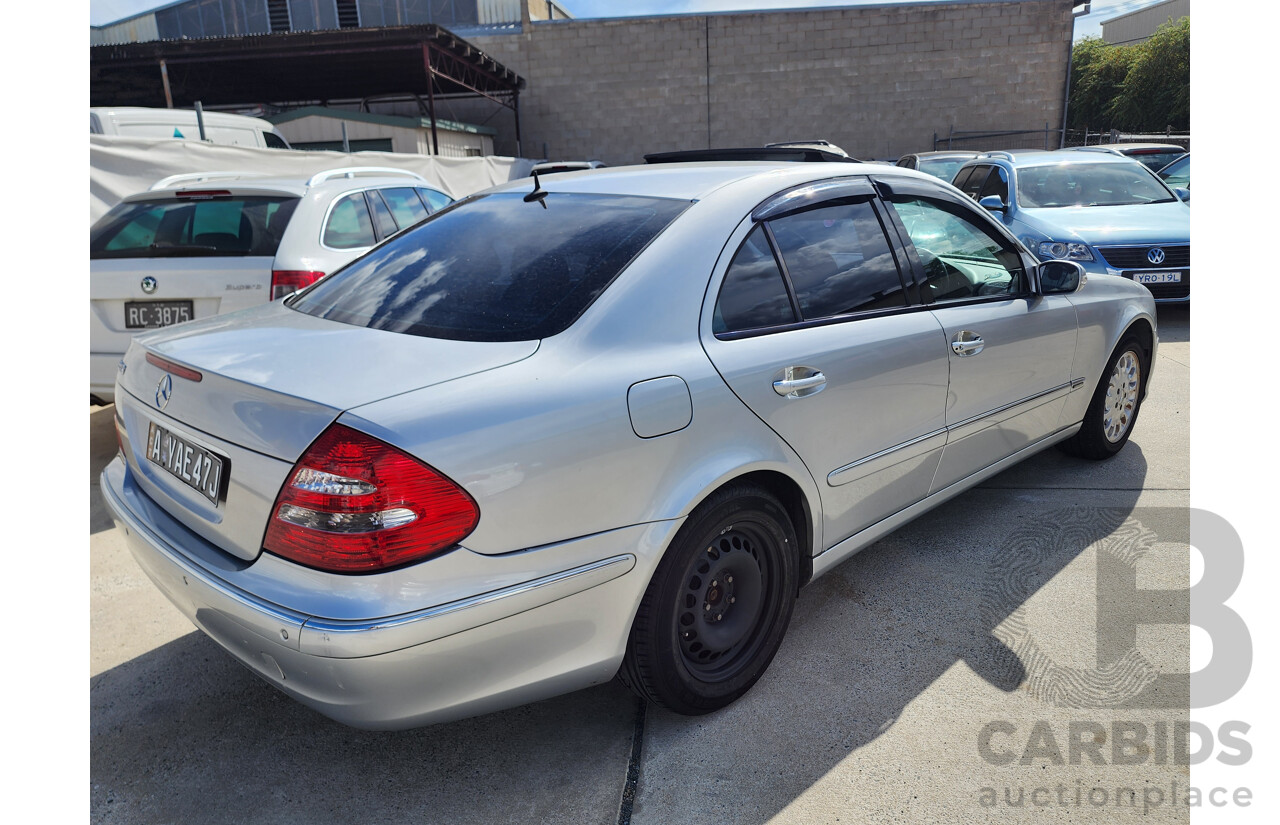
1120 675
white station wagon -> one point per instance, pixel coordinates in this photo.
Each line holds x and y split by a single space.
207 243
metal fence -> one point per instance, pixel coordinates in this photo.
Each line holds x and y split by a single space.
1049 138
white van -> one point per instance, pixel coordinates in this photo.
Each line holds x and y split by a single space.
219 127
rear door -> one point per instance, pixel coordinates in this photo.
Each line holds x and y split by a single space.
815 330
178 257
1010 350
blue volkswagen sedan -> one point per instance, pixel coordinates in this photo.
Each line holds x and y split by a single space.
1108 213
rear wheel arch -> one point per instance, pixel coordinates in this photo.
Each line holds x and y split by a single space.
801 512
792 498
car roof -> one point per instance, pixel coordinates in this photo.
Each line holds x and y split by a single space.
1024 158
697 180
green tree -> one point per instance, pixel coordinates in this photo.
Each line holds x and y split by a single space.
1143 87
1157 91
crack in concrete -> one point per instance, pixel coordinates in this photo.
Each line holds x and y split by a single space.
633 766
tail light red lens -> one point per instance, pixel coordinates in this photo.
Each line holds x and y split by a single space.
354 504
285 282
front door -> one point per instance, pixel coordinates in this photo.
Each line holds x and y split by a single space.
1010 350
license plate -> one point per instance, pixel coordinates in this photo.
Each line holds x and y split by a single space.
194 466
1158 277
151 314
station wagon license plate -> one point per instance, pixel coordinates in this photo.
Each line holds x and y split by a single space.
1158 277
152 314
194 466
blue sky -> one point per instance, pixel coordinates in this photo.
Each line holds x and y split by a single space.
107 11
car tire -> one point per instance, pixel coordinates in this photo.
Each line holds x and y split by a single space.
718 605
1116 401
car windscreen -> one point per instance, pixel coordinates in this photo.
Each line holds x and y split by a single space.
1089 184
494 268
192 226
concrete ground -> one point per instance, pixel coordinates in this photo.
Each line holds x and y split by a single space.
953 672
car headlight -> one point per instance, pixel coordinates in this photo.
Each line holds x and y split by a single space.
1066 251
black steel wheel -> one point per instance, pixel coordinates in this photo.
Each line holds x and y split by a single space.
718 605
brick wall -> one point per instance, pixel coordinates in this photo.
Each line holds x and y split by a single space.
877 81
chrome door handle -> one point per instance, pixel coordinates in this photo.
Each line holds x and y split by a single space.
797 382
967 343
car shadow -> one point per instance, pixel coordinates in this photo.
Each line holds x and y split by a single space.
185 734
1174 322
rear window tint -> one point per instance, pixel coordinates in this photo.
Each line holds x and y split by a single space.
382 215
494 269
753 294
405 205
436 200
348 225
1156 160
838 260
177 227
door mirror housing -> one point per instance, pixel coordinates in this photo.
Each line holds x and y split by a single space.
1061 277
1184 195
992 203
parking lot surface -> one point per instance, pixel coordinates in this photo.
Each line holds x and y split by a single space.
956 671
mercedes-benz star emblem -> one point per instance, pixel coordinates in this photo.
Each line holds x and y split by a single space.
149 285
1156 256
164 391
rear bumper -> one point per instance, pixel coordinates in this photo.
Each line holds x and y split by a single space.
555 631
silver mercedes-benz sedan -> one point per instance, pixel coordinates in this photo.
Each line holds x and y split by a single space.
604 426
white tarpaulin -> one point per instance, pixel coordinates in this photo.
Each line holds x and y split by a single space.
119 167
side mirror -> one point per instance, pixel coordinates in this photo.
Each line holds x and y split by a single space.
1061 277
1184 195
992 203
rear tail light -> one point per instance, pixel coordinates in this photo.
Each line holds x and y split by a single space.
288 281
354 504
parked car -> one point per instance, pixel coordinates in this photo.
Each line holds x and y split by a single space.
1177 175
474 468
1154 156
942 165
1110 214
219 127
207 243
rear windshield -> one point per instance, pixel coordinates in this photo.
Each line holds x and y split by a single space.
496 268
1155 159
185 227
944 168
